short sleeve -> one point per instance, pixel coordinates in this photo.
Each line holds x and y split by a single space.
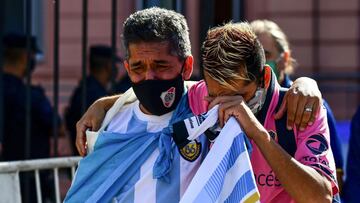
196 95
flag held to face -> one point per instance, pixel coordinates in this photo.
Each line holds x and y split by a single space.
226 174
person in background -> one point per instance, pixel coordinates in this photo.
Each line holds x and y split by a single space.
15 91
97 86
352 182
279 58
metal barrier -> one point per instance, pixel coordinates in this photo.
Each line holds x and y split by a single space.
10 181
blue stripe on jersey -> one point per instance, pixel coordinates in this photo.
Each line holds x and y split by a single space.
127 193
204 146
214 185
165 190
135 125
242 187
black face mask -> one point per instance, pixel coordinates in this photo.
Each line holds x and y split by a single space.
159 96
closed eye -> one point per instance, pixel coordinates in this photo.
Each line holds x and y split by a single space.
137 69
134 64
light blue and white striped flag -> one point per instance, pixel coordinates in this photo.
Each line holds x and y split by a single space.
226 174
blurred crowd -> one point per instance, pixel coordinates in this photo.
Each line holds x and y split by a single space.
16 59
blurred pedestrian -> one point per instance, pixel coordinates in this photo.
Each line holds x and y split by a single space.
352 182
97 86
15 70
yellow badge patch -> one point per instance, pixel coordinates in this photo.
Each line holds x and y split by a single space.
191 151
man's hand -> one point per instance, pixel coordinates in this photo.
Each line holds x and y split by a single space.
228 106
235 106
92 120
301 102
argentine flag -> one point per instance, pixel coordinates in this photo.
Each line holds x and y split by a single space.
226 174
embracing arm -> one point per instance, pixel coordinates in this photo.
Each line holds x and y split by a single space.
303 93
92 119
94 116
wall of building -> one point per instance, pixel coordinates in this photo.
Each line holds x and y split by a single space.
324 38
324 35
99 32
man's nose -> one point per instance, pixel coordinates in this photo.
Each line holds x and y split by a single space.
150 74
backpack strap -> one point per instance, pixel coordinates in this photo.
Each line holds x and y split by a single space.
286 138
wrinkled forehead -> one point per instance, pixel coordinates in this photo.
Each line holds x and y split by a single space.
151 51
145 48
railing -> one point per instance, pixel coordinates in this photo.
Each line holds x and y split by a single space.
10 181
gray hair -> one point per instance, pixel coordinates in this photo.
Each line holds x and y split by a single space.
281 41
158 25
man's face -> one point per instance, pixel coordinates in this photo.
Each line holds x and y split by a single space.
153 61
278 61
269 45
246 90
24 59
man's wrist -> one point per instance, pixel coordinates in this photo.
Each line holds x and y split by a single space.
261 137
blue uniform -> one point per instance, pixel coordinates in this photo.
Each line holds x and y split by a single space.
94 91
334 137
15 120
352 183
15 130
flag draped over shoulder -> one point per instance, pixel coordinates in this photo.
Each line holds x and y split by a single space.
117 157
226 174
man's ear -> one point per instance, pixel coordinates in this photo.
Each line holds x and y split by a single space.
284 61
126 66
188 67
286 57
